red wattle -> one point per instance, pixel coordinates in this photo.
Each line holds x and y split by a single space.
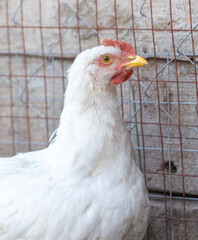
129 74
121 77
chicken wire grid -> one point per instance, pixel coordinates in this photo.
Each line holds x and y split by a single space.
39 41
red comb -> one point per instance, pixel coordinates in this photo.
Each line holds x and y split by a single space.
122 45
109 42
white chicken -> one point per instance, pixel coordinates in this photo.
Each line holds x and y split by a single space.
86 185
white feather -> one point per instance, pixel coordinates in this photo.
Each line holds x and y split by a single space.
86 184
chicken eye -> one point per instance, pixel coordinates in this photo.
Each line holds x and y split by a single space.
107 59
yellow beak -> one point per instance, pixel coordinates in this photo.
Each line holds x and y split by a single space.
137 61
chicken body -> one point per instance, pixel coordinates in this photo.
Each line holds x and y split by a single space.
86 185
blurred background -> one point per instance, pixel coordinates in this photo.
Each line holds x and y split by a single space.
39 41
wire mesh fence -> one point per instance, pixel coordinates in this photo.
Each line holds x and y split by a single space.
38 42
